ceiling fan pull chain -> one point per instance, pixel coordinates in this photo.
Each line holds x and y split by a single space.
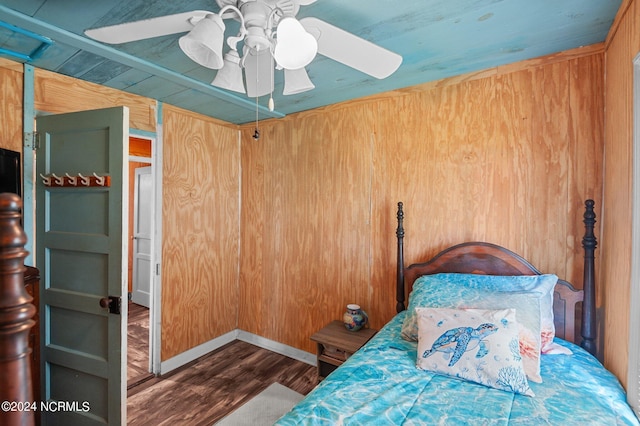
271 103
256 134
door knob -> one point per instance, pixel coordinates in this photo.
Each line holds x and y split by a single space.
111 302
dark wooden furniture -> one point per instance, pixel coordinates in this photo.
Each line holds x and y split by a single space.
16 313
336 344
32 287
491 259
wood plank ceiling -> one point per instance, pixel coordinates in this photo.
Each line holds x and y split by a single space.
436 38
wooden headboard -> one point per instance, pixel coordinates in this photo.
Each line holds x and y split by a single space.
491 259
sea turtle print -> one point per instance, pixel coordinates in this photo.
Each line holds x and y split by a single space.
459 340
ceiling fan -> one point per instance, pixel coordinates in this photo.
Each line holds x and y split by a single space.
272 38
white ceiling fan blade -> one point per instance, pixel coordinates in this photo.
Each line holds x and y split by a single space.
351 50
147 28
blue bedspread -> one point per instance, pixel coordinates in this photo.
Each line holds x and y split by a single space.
380 385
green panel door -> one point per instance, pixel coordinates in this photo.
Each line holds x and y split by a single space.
81 254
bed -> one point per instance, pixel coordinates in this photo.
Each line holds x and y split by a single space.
485 339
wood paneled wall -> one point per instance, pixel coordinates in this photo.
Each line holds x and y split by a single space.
11 83
507 159
57 93
623 45
506 156
276 236
200 230
306 222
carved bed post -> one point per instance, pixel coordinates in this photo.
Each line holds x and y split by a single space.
400 263
589 304
16 313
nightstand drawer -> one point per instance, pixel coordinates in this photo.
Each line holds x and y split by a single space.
336 344
333 352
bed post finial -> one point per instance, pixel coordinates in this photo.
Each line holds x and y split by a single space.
589 243
400 273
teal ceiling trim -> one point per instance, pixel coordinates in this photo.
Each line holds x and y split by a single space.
45 42
27 23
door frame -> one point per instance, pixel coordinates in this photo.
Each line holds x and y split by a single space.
156 248
134 232
633 367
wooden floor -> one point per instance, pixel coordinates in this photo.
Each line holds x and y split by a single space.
209 388
137 344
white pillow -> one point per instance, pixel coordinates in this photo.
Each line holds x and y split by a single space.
526 293
477 345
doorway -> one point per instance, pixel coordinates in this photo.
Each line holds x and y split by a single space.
80 247
140 277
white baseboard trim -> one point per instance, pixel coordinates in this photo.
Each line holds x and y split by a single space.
262 342
277 347
195 353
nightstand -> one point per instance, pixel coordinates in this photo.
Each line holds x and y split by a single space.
336 344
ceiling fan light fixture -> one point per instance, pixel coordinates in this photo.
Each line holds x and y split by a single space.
258 72
230 75
295 48
270 34
203 44
296 81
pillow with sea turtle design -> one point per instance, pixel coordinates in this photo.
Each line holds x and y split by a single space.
528 294
477 345
542 285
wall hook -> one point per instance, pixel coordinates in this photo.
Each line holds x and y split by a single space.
73 180
99 179
85 180
45 179
59 180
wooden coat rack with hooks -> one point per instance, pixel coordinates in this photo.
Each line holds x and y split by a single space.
77 180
